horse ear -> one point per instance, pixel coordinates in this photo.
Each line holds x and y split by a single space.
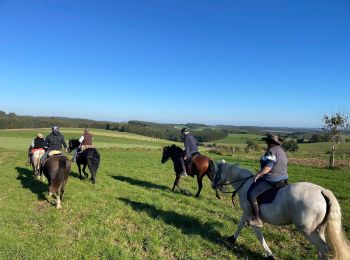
173 145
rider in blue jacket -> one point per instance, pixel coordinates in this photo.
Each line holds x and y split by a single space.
191 148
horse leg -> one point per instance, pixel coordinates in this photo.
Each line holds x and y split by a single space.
232 239
261 238
62 192
176 182
200 185
58 200
317 239
79 167
85 173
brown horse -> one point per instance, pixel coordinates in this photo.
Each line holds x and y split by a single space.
201 166
57 169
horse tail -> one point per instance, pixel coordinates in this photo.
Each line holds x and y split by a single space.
58 180
211 169
339 245
93 160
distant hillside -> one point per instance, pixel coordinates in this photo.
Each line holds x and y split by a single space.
203 132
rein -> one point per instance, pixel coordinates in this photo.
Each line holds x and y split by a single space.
234 193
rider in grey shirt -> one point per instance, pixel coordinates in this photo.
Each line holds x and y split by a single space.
273 170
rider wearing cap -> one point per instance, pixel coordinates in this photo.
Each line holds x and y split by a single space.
191 148
54 142
37 144
273 170
85 142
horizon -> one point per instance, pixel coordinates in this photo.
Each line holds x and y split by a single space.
180 123
218 63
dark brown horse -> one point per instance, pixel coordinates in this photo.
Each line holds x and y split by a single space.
89 157
201 166
57 169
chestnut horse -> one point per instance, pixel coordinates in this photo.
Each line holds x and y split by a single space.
57 169
201 166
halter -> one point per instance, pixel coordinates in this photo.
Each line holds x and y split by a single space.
234 193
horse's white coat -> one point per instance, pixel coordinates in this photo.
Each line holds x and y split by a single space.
302 204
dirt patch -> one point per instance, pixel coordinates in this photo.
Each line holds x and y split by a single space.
319 163
41 205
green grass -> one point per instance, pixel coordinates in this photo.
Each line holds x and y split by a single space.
235 139
131 212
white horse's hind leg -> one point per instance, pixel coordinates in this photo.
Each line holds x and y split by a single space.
260 236
316 239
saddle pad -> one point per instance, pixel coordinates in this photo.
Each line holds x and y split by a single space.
269 195
54 152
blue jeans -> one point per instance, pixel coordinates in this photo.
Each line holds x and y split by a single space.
257 188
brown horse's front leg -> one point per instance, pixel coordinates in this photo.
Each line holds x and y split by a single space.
200 185
176 182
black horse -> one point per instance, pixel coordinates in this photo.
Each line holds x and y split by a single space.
201 166
89 157
57 169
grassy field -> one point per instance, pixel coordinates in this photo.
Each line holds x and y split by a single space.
131 212
305 149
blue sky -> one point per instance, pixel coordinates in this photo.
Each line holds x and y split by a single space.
265 63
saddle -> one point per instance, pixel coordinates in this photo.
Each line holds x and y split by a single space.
52 154
269 195
190 168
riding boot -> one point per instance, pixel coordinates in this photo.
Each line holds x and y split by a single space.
255 219
183 173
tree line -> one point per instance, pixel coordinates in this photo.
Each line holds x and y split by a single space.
166 131
155 130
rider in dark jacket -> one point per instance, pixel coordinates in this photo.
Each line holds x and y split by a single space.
54 141
191 148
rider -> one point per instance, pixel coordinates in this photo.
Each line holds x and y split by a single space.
273 170
54 142
37 143
85 142
190 149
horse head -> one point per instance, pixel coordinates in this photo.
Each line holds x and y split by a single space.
166 154
73 144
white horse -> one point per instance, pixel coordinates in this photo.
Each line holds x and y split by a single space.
312 209
35 158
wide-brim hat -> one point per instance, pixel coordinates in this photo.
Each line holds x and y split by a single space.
273 139
40 135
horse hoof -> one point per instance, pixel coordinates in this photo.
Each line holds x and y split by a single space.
231 240
270 257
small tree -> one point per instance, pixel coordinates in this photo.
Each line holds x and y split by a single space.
290 146
335 126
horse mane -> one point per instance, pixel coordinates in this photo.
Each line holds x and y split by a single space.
75 142
176 149
244 171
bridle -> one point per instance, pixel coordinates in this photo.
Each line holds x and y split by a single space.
234 193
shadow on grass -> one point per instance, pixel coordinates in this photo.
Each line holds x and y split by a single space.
140 183
191 226
29 181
